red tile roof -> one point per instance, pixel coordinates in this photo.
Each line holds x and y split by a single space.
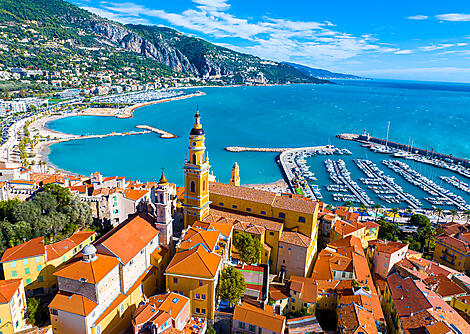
72 303
454 243
90 272
256 316
33 247
8 289
130 237
58 249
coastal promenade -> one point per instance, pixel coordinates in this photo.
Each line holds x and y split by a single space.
256 149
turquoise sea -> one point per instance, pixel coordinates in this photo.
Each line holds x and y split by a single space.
432 115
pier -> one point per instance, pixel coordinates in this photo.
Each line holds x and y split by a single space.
313 149
345 179
371 171
162 133
427 185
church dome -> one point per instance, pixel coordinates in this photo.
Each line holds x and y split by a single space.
89 250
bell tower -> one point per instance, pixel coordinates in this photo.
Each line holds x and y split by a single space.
235 180
163 208
196 176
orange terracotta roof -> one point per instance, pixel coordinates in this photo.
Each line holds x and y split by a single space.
356 319
8 289
169 304
370 225
454 243
391 247
72 303
54 179
295 238
249 228
82 189
277 292
255 316
296 204
159 252
130 237
197 262
230 216
444 286
306 288
345 228
135 194
407 297
197 236
90 272
33 247
240 192
225 228
58 249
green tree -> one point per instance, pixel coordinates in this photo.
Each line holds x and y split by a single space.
420 220
232 285
210 330
395 212
376 209
249 248
438 211
61 194
387 230
33 310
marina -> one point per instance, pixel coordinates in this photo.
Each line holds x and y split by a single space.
296 171
384 185
456 183
439 195
340 175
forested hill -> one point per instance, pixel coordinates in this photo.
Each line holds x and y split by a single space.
49 34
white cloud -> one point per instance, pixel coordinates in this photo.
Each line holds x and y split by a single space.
403 52
441 46
418 17
453 17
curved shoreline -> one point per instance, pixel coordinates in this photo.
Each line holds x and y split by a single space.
42 150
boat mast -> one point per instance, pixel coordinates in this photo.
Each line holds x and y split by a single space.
388 129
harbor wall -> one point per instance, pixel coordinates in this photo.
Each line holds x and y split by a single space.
421 151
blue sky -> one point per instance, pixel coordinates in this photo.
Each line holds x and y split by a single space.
412 39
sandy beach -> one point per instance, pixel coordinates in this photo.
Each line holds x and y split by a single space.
39 127
279 186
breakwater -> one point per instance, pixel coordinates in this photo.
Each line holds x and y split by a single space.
162 133
408 148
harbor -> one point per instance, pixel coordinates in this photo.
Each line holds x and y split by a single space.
296 171
439 195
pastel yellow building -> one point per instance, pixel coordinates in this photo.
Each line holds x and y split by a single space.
461 303
453 252
196 176
35 263
12 306
194 273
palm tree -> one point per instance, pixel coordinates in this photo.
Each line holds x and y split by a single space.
376 207
394 211
410 212
439 212
453 212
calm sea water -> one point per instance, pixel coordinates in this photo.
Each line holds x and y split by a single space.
432 115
